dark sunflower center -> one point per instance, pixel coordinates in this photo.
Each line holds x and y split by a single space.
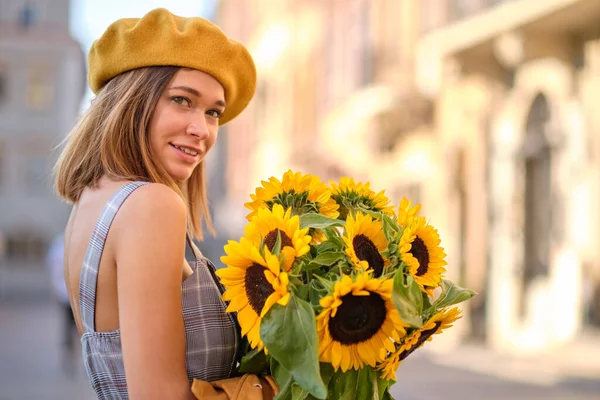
358 318
258 289
424 336
420 252
366 251
271 238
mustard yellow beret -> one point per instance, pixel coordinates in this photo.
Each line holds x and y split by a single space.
161 38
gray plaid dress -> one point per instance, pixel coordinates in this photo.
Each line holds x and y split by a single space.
211 334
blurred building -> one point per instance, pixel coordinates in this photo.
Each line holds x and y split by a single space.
42 80
482 110
515 86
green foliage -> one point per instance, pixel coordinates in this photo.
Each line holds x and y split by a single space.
324 259
452 294
290 334
254 362
408 299
277 246
354 385
318 221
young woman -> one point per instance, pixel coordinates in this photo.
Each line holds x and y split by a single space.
133 167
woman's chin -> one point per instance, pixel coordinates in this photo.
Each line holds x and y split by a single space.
180 175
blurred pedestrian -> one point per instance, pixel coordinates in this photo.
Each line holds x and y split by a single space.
55 267
133 167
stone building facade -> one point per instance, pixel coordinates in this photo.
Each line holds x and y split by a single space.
42 80
481 110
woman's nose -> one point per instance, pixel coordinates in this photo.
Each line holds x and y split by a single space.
198 128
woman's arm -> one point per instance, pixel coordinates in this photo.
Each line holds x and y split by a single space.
149 252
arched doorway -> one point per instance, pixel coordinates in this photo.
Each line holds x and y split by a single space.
538 212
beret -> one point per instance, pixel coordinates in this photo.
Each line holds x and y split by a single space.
160 38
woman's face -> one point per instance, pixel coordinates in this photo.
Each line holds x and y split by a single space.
185 122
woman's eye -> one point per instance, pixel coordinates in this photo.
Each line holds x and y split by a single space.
214 113
181 100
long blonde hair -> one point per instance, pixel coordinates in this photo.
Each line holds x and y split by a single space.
111 138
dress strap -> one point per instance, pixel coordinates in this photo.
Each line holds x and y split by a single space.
89 272
203 262
195 251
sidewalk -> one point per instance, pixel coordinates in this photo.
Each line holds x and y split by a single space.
31 363
420 378
580 360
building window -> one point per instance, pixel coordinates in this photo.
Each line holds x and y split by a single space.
40 87
25 245
2 164
27 16
3 83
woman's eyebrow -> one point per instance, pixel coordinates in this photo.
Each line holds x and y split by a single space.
197 94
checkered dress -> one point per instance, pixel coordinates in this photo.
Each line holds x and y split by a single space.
211 334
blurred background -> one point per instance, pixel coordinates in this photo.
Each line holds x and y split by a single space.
484 111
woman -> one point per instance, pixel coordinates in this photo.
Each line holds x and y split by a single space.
133 167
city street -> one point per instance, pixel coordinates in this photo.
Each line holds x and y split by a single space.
31 366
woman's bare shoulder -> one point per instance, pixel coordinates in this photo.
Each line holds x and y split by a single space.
154 198
152 206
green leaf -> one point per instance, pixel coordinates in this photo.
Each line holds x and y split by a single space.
254 362
298 393
284 380
426 303
365 210
383 386
326 246
310 267
327 372
452 294
408 299
279 373
318 221
302 292
354 385
324 259
285 389
316 291
290 334
390 228
277 245
334 237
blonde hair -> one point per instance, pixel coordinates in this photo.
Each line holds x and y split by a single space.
111 138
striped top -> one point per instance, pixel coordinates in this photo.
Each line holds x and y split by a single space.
211 334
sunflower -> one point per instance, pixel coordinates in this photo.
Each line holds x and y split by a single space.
407 211
435 325
303 193
268 224
365 240
421 252
254 283
359 323
356 196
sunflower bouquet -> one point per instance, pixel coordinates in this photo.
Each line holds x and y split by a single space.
333 287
